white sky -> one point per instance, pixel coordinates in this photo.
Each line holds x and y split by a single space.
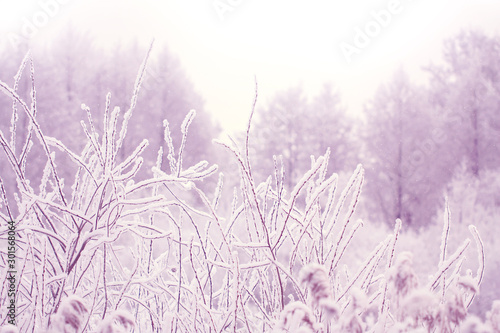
283 43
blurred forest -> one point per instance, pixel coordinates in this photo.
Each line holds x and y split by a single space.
416 142
411 139
71 73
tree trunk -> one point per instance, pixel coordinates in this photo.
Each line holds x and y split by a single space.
399 166
475 143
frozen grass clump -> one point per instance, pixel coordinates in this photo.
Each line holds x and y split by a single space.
111 253
70 316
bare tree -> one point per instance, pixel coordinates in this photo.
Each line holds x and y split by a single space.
400 173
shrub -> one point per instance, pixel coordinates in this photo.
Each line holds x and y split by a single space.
115 253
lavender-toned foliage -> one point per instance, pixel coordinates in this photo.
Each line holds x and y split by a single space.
120 252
